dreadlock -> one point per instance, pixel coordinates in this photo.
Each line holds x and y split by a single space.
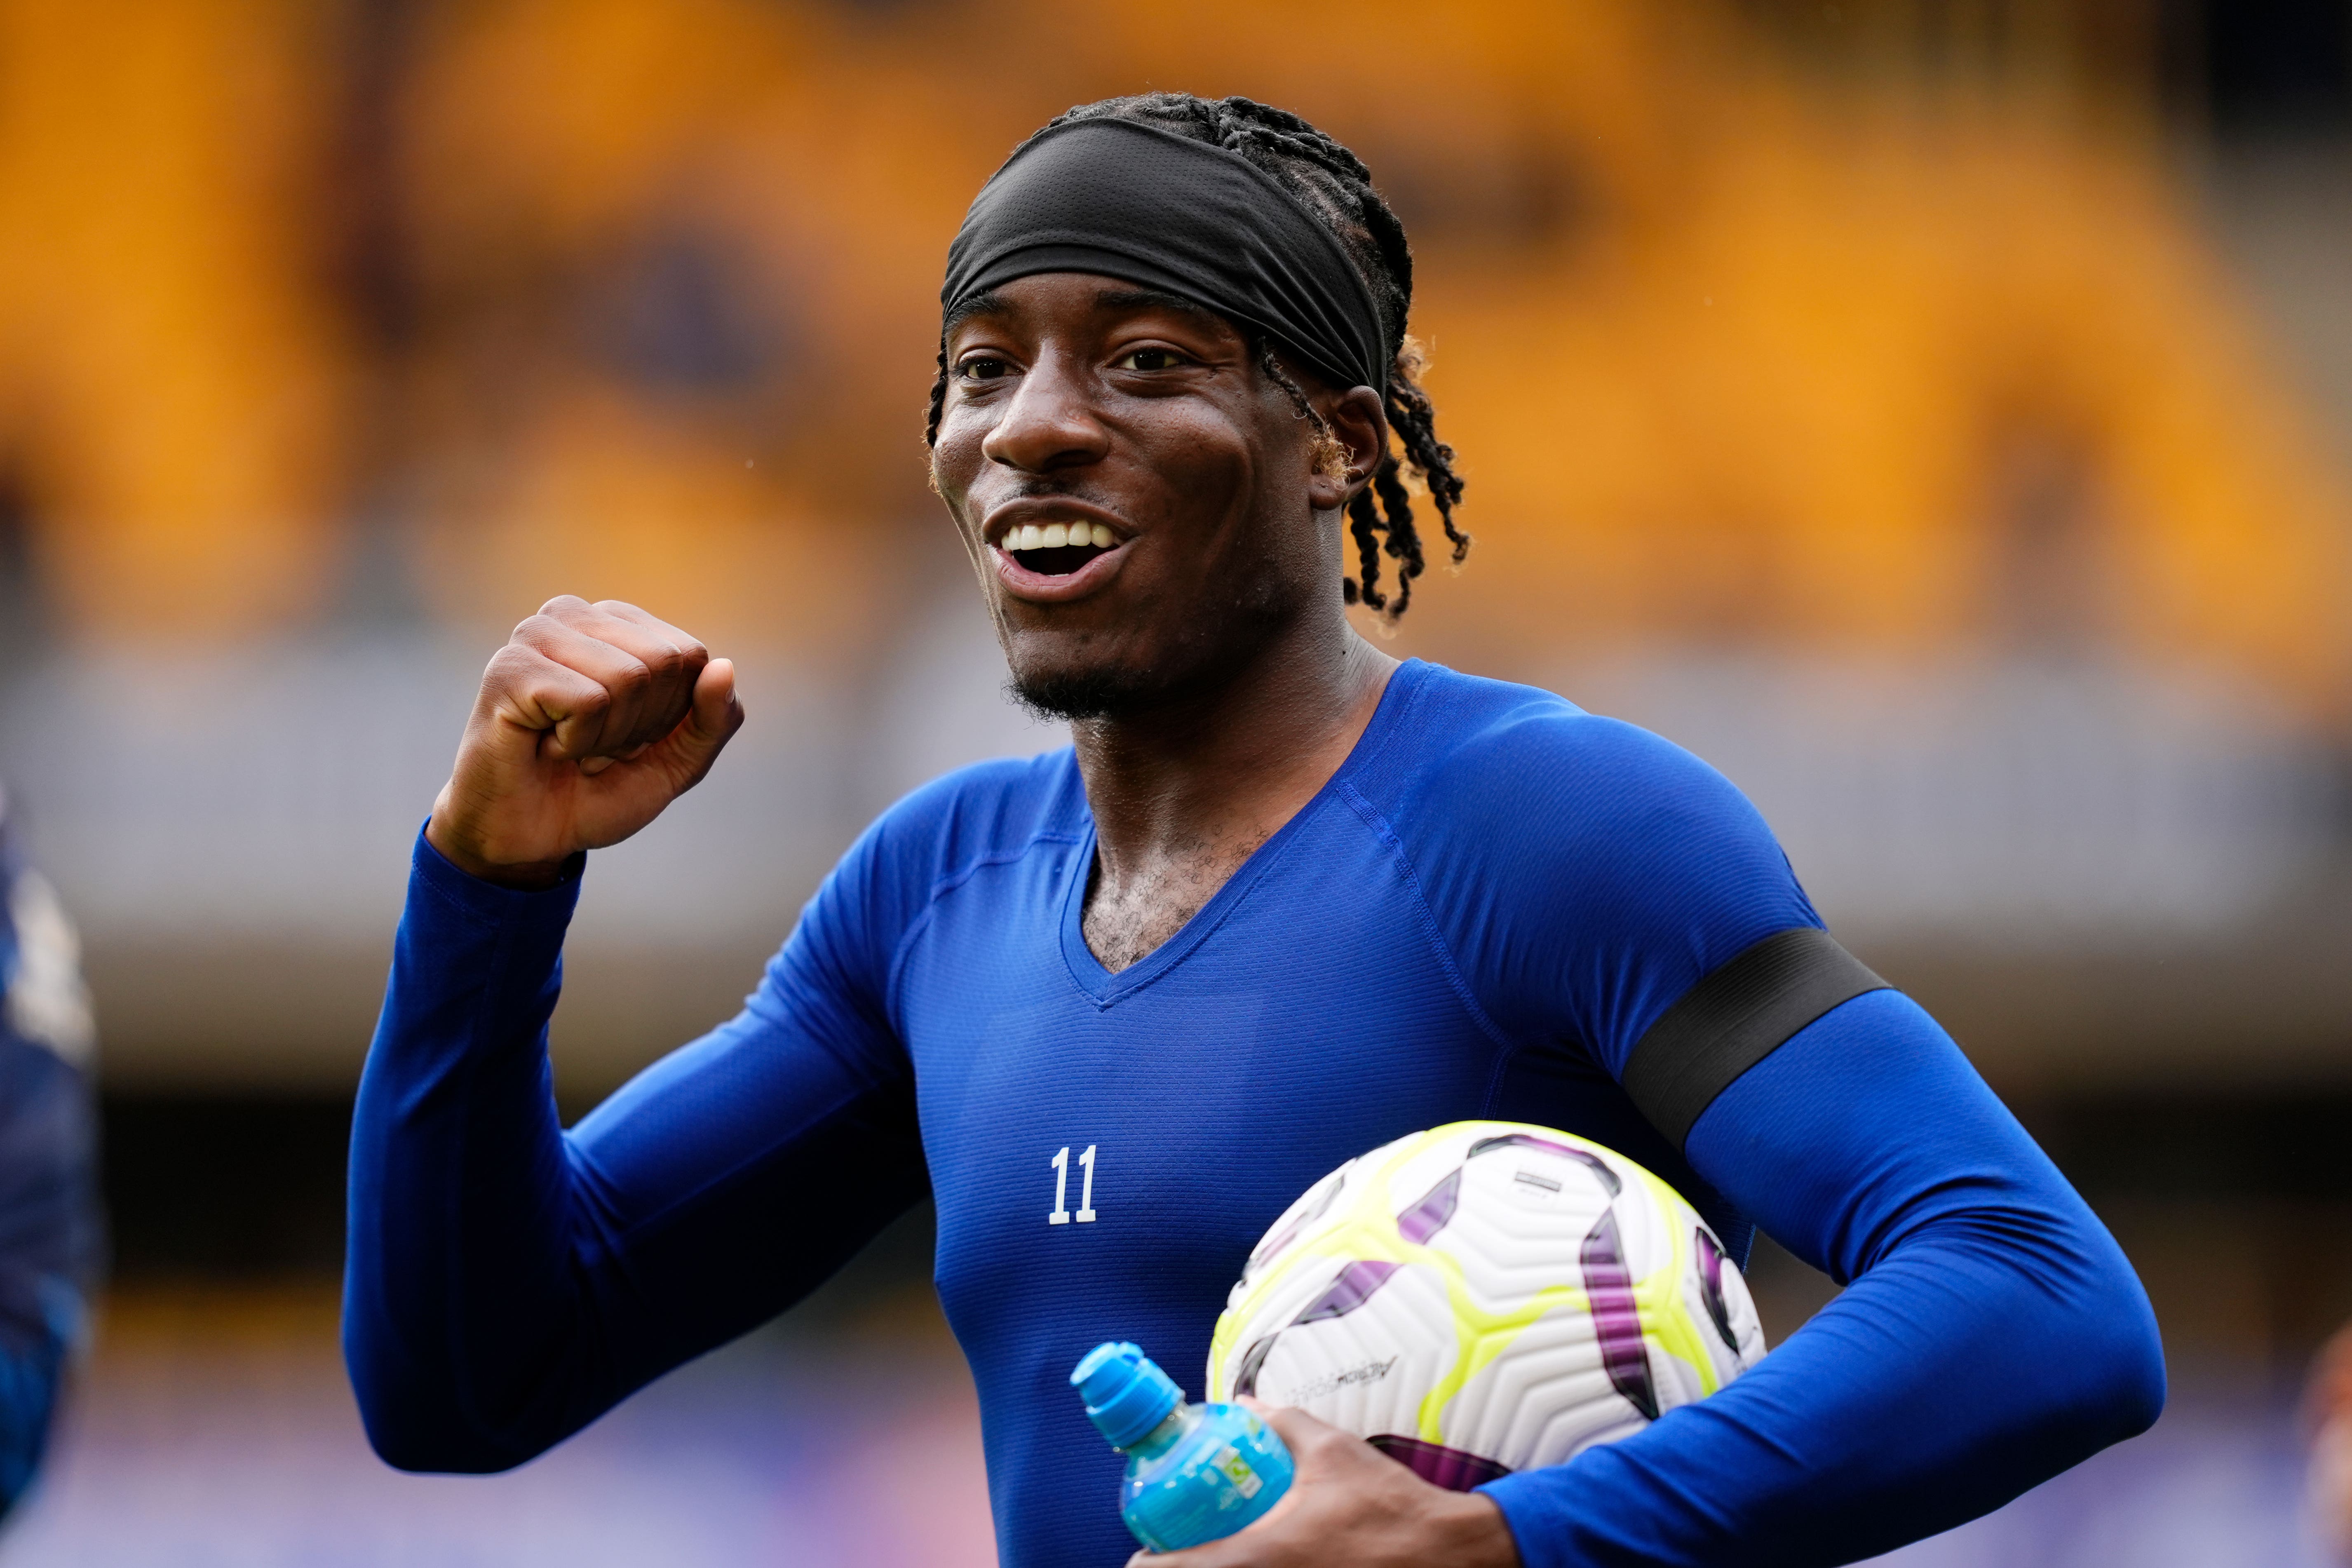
1333 184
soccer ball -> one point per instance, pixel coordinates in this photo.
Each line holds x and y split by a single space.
1483 1298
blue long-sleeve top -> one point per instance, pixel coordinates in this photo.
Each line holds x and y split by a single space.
1483 914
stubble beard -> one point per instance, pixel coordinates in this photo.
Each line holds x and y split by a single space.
1077 695
1224 640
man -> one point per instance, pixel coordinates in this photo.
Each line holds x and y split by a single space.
1285 899
50 1238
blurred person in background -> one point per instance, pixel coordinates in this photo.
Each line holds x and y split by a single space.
50 1233
2329 1403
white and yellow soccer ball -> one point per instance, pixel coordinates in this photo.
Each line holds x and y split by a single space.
1483 1298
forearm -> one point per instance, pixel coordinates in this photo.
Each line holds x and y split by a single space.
508 1282
459 1288
1993 1334
1935 1389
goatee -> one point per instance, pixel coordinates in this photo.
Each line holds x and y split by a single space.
1081 694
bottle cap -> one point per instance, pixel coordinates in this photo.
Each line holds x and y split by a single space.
1126 1393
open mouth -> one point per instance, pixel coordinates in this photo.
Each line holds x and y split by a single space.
1054 548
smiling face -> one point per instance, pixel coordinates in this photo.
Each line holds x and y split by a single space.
1147 509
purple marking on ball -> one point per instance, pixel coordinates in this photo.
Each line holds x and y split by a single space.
1710 1288
1616 1316
1598 1166
1253 1361
1267 1249
1427 1218
1439 1466
1351 1290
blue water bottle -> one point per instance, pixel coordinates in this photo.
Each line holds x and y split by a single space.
1195 1473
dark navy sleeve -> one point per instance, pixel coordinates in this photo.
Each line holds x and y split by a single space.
507 1281
48 1243
51 1227
1992 1333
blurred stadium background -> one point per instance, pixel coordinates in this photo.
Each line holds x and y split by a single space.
1936 413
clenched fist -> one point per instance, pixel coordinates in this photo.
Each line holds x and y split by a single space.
591 720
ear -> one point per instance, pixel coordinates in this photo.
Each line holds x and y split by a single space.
1361 425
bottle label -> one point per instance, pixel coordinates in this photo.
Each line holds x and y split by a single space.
1225 1472
1200 1498
1237 1470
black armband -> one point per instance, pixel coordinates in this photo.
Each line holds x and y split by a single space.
1737 1014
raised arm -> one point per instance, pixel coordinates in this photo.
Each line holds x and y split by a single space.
507 1281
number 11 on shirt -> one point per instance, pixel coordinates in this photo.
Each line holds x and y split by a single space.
1061 1164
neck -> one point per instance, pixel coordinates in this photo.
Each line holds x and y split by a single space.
1235 762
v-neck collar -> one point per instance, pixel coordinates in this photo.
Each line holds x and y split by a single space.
1086 971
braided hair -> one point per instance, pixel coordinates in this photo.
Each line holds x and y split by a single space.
1334 186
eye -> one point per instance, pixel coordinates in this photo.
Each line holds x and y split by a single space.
1149 358
984 367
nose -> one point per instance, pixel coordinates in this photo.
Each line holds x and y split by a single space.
1050 422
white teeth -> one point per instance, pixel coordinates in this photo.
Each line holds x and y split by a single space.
1058 535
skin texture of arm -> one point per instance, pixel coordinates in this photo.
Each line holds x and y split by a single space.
1992 1333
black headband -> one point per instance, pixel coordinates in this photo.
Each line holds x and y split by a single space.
1157 208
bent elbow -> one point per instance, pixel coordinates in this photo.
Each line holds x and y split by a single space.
2137 1384
430 1437
415 1458
2119 1355
422 1453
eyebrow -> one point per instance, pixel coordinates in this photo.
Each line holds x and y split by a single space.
1157 299
987 302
